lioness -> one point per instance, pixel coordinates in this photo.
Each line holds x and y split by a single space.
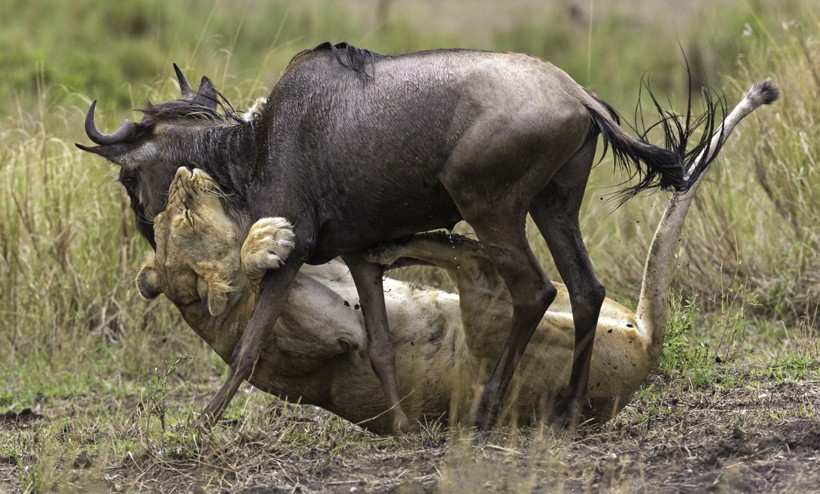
445 344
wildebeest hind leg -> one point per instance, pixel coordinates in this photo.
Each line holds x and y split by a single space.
531 293
555 211
368 279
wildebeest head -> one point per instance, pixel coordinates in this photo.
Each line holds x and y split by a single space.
150 151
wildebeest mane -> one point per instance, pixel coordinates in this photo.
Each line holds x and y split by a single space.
145 226
190 111
348 56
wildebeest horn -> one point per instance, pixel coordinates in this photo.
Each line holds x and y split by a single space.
184 85
124 132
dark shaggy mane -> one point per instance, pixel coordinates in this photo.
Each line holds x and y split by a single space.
348 56
189 111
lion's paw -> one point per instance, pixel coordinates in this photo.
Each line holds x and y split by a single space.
269 243
385 254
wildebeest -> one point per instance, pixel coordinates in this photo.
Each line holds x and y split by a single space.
445 344
356 148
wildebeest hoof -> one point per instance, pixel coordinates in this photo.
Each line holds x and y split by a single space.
403 425
566 418
267 246
201 425
486 416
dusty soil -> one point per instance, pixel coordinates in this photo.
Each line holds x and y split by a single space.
760 435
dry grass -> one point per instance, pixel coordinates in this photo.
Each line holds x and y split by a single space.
762 437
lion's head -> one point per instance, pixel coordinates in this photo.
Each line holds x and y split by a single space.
205 253
197 258
209 263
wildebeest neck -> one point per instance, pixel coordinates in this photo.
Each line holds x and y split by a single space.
227 152
189 134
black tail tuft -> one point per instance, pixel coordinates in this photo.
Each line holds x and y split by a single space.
654 166
675 165
680 130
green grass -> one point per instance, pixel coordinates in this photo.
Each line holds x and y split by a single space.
81 344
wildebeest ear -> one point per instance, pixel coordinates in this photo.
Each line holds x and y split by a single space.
112 152
207 94
147 281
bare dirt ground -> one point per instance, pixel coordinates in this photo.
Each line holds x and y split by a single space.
757 435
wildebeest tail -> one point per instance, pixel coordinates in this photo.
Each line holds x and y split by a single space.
672 167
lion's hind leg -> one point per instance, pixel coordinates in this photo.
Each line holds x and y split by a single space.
484 300
443 250
464 259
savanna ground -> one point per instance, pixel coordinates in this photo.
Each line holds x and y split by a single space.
97 384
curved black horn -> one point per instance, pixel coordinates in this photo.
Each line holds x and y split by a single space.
184 86
124 132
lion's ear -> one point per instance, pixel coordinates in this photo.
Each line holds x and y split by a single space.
214 294
217 300
148 281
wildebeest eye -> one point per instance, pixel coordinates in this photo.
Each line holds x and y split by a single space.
128 182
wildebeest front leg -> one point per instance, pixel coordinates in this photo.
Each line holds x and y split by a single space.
273 293
368 279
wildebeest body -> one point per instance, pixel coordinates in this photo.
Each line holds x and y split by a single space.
344 145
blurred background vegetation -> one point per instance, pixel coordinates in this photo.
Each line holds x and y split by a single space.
69 314
116 52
